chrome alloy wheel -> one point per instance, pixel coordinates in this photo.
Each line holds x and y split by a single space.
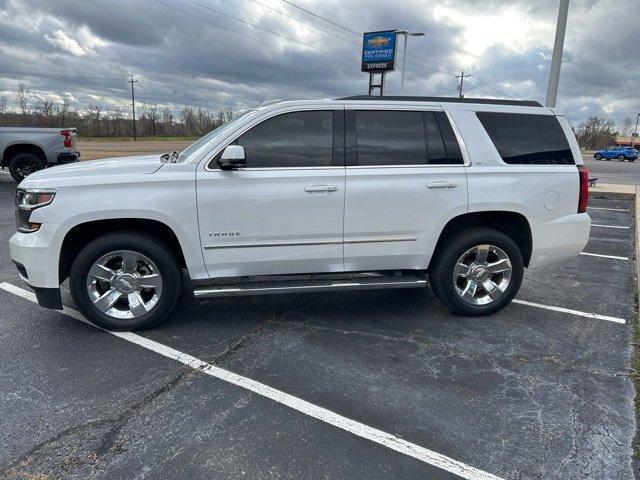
124 284
482 274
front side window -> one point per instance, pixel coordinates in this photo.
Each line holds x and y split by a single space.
299 139
527 139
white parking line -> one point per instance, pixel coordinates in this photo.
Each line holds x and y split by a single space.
356 428
611 209
614 257
572 312
608 226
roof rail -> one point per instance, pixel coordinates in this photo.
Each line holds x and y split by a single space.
486 101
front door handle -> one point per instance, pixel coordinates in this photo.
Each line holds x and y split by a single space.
441 184
321 188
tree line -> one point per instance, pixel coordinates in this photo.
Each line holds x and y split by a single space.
98 120
95 120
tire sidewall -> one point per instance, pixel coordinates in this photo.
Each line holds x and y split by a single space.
146 245
621 158
442 275
598 156
20 157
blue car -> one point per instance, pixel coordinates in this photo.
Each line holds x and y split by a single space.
621 153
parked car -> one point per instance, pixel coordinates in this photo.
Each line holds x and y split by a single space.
26 150
354 193
621 153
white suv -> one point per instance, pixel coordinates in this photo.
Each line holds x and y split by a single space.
355 193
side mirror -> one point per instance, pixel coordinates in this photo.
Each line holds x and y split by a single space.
232 158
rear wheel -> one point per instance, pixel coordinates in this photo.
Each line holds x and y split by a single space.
478 272
621 158
125 281
631 159
23 164
598 156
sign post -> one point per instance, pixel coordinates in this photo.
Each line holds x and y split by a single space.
378 56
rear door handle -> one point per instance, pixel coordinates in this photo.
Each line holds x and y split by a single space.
321 188
441 184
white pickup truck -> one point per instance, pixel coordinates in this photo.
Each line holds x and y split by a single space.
353 193
26 150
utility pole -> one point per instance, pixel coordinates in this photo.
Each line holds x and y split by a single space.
461 77
556 60
133 106
635 132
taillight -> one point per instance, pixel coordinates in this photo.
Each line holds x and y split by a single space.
584 188
68 139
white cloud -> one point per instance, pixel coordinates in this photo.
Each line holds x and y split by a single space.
64 42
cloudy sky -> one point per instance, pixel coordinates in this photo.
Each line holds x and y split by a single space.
237 53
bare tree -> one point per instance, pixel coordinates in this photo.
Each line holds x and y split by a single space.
23 100
63 113
596 133
153 116
3 110
626 127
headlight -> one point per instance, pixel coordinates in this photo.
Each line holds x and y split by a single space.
28 200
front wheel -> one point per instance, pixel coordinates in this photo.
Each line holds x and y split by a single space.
598 156
632 159
621 158
477 272
125 281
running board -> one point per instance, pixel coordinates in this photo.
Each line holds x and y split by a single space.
301 286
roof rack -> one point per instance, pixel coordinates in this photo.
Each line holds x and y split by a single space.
486 101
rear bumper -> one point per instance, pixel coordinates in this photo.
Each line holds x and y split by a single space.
68 157
559 239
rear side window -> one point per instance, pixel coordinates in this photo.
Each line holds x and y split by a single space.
387 137
526 139
300 139
390 138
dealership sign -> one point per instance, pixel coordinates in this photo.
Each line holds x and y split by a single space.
379 51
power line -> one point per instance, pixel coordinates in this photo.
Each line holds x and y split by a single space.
286 37
492 88
321 17
248 37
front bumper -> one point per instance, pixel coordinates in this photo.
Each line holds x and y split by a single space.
68 157
36 258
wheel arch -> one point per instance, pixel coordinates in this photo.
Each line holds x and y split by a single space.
513 224
81 234
11 150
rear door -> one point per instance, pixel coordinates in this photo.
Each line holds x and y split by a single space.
283 213
405 180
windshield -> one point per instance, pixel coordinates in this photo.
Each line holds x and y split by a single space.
202 142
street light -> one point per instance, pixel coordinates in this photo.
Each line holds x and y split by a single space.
635 132
404 53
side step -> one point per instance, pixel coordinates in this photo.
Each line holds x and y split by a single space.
354 282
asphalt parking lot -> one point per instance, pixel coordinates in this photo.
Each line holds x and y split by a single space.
357 385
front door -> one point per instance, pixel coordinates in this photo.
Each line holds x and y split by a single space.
283 213
405 179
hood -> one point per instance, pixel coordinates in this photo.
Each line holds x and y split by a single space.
94 171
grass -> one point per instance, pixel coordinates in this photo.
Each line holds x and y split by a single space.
142 139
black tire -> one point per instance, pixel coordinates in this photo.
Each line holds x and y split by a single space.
22 164
621 158
148 246
441 271
631 159
598 156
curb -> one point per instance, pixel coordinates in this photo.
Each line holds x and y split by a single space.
610 190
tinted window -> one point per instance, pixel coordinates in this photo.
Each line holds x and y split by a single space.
300 139
390 138
451 143
527 139
437 152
